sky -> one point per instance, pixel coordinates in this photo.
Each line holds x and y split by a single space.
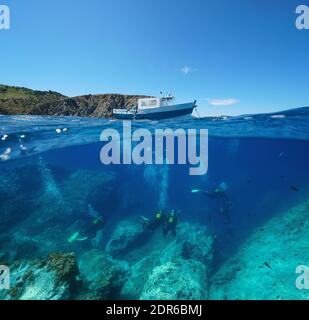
233 57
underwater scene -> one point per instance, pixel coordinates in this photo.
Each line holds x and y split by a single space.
74 228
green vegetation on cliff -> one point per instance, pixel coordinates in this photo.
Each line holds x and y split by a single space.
17 100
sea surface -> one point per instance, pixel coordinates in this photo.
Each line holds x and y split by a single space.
53 185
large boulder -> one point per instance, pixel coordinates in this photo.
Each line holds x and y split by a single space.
128 235
176 280
54 278
192 243
104 276
138 276
197 243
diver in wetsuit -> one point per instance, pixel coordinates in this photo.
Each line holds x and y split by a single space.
155 222
170 224
218 193
95 224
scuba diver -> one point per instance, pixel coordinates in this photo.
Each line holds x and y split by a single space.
155 222
218 193
95 224
170 224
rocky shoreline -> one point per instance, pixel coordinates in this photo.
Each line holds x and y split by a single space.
16 100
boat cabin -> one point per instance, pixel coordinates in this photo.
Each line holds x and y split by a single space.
147 103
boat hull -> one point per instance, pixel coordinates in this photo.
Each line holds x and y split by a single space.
158 114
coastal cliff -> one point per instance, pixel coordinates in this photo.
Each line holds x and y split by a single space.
17 100
100 105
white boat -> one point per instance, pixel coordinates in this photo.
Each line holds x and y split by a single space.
155 109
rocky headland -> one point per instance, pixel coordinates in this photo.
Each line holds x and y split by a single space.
24 101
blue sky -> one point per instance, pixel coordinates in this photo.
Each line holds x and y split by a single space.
240 56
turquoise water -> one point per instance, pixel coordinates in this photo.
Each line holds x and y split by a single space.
57 197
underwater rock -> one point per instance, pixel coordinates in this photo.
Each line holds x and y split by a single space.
197 243
94 188
65 266
4 257
98 240
60 201
192 243
264 268
176 280
104 275
53 278
19 246
44 212
127 235
15 195
34 244
138 276
25 249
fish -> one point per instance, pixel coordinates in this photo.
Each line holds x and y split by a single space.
267 265
294 188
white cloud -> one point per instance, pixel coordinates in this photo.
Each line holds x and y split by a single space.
222 102
186 70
